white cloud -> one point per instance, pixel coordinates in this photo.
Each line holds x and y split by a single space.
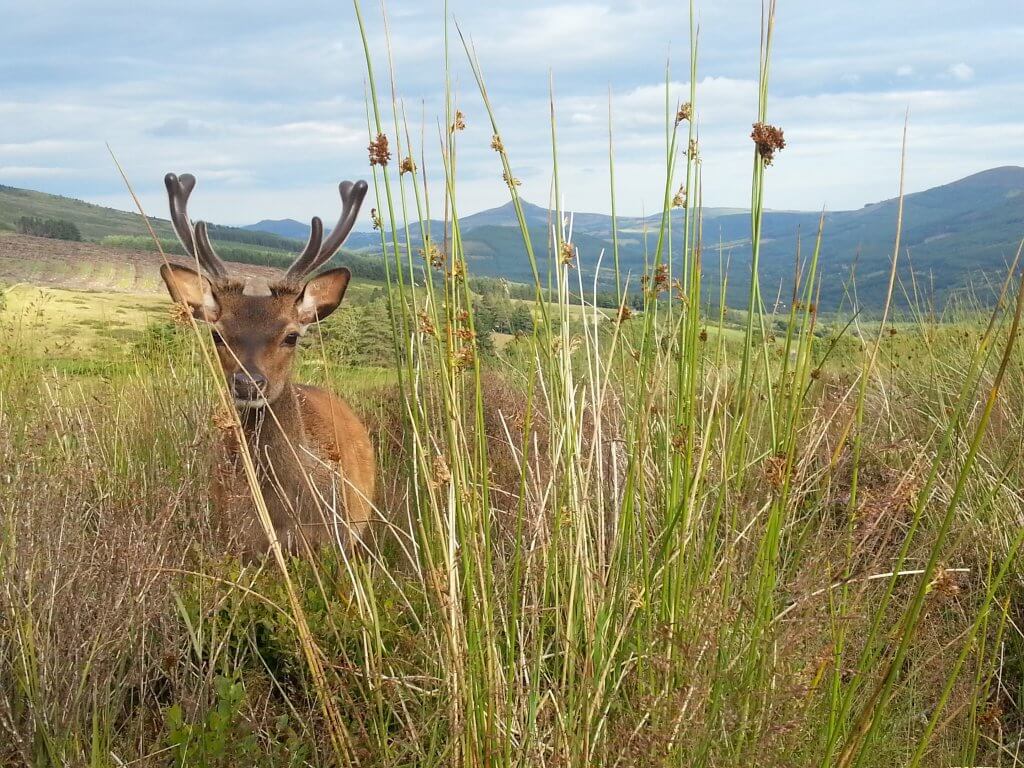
962 72
562 35
270 114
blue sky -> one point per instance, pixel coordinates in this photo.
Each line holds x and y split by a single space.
264 102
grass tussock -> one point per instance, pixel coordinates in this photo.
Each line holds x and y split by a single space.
647 536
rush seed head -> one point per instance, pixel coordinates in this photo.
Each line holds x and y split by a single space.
768 139
379 152
568 254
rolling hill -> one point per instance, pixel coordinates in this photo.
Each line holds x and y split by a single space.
956 235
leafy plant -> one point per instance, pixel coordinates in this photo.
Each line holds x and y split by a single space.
218 739
59 229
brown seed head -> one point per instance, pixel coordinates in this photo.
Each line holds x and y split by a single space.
568 254
944 584
375 218
660 281
408 165
180 314
379 152
459 124
685 112
679 438
679 201
991 718
768 140
223 421
496 144
512 181
774 470
464 358
434 255
442 475
426 324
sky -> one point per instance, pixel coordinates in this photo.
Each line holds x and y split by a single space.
265 101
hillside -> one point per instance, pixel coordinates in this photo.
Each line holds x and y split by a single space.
956 235
953 235
96 222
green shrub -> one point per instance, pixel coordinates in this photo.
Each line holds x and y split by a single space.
216 739
58 229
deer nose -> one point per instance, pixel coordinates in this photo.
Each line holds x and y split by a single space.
248 385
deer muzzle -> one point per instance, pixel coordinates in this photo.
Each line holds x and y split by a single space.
249 388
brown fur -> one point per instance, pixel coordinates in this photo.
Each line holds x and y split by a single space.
313 457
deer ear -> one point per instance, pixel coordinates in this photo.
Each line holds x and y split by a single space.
188 287
322 295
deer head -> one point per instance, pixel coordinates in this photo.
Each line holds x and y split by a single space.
256 324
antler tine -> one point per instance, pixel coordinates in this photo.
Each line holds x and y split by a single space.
352 196
178 190
301 265
352 200
195 240
207 256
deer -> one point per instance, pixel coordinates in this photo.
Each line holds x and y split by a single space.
313 456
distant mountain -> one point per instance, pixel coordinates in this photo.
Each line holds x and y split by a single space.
291 228
298 233
597 224
954 236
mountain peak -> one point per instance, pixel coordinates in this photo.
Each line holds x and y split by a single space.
283 227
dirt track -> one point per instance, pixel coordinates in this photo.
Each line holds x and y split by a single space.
88 266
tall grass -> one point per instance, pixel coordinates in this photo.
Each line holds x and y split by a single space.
628 539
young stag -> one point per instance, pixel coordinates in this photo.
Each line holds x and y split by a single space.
312 455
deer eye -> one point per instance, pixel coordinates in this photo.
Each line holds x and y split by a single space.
291 339
217 338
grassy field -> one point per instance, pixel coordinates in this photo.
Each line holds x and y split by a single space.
56 323
181 655
672 537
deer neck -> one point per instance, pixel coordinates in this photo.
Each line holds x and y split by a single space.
276 432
